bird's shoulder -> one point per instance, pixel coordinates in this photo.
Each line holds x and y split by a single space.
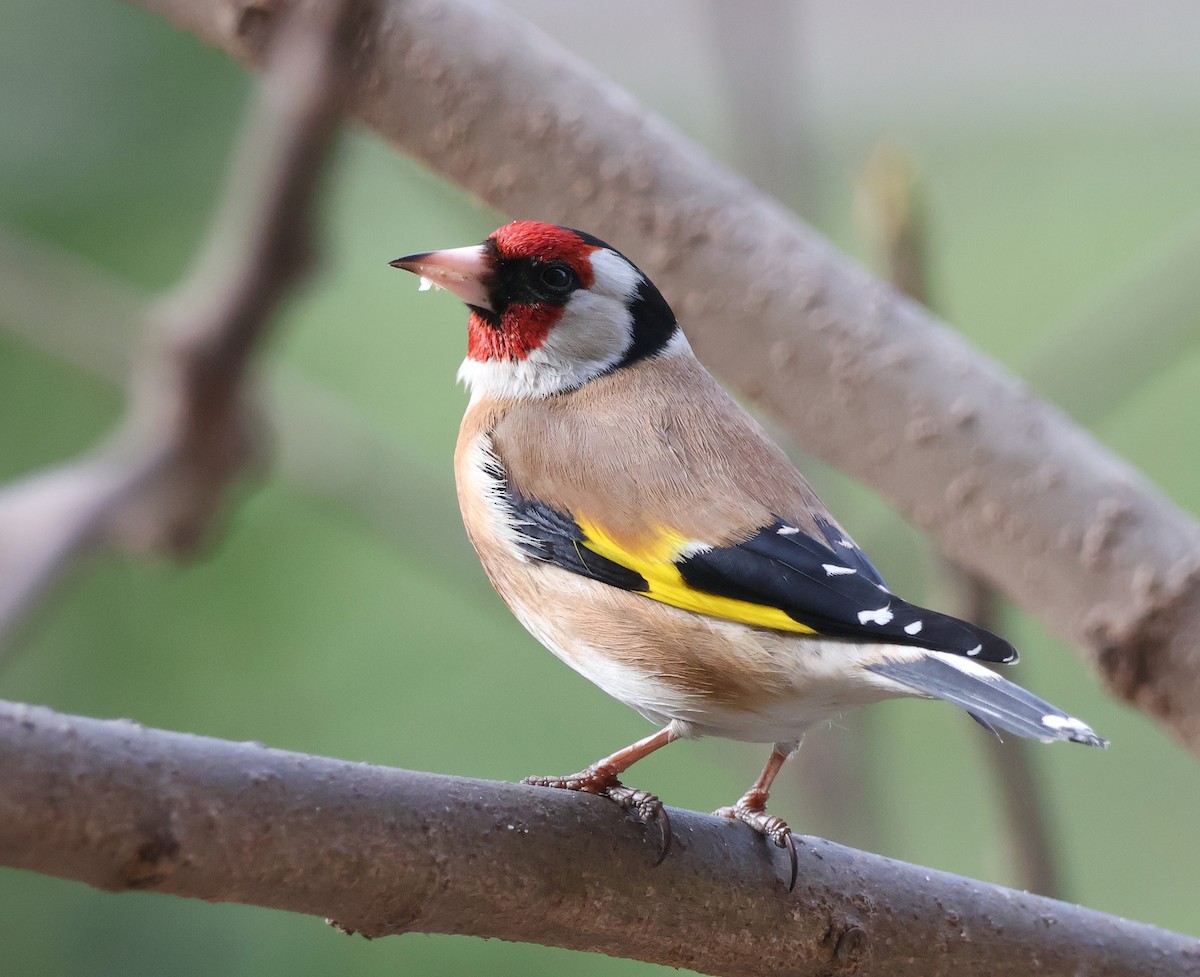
657 444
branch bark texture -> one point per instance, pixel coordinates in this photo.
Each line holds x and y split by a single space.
386 851
857 373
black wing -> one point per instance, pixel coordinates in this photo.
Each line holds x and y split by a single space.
831 586
828 586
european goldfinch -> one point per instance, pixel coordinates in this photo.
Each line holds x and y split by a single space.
644 528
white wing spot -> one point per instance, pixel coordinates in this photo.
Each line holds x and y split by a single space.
883 588
972 652
914 628
881 616
787 531
833 570
846 543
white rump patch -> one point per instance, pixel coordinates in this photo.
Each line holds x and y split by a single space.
787 531
914 628
881 616
833 570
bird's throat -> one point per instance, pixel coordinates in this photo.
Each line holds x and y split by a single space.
513 335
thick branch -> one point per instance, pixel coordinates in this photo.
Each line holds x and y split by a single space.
858 374
388 851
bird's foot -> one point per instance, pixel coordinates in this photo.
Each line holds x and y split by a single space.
751 809
602 781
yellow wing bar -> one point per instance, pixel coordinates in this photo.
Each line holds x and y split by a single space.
657 566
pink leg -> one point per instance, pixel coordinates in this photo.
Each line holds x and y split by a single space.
751 809
602 778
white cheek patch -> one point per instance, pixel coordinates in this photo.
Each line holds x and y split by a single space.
596 327
591 336
593 333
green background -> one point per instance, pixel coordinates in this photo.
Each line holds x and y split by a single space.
1053 190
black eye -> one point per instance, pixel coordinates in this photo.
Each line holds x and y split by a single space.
557 278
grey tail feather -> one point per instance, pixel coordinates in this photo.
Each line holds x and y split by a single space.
988 726
992 701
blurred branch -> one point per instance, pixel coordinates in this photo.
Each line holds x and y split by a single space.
158 482
756 54
888 208
1006 484
322 444
386 851
67 308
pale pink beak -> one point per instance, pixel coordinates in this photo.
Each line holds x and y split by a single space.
462 271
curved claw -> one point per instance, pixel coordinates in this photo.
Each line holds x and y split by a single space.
664 827
790 839
779 832
648 808
597 780
772 828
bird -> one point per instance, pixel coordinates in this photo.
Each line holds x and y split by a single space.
645 529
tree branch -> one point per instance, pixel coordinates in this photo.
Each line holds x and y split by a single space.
384 851
1006 484
188 430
